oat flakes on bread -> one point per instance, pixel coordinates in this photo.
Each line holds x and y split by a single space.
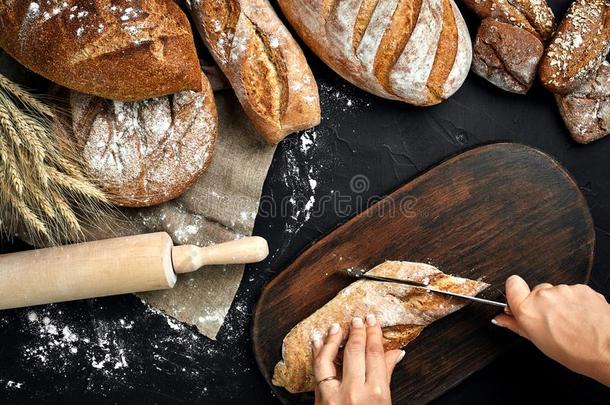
120 49
416 51
263 63
580 45
402 311
143 153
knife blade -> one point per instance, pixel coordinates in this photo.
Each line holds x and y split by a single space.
360 274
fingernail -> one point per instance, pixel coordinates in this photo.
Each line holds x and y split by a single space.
357 323
334 329
400 357
496 322
371 320
316 339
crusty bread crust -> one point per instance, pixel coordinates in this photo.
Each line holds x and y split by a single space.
263 63
586 110
397 49
506 55
120 50
143 153
402 311
578 48
534 16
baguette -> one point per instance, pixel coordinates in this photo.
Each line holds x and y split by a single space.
416 51
120 50
263 63
578 48
402 311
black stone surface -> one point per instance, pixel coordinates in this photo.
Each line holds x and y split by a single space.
384 144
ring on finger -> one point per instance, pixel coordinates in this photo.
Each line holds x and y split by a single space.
331 378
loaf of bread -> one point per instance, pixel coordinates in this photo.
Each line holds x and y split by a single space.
416 51
586 110
510 41
402 311
145 152
263 63
506 55
579 47
120 49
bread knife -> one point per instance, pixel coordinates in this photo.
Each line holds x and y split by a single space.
361 274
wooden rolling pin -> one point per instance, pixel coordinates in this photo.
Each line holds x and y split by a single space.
110 267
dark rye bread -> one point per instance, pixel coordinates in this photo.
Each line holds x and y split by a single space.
579 46
263 63
506 55
510 41
586 110
416 51
119 49
534 16
402 311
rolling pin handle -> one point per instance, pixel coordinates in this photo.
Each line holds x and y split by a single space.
190 258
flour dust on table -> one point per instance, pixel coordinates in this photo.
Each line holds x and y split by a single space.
58 341
308 161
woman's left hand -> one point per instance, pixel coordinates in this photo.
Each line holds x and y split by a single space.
367 369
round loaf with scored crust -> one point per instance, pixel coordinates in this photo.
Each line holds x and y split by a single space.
416 51
119 49
146 152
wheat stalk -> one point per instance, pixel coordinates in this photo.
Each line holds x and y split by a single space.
44 192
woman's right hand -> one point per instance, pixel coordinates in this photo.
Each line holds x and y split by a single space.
570 324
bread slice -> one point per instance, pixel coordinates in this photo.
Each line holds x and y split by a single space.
403 312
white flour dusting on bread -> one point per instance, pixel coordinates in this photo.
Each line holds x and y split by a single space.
145 152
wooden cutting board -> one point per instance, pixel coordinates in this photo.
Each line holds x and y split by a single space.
490 212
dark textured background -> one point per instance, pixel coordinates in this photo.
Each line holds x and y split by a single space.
389 143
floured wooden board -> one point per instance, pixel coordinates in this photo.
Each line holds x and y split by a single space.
490 212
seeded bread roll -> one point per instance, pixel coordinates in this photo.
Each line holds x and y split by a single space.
586 111
506 55
146 152
579 46
402 311
263 63
119 49
416 51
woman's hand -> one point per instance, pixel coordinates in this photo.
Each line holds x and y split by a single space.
570 324
367 370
